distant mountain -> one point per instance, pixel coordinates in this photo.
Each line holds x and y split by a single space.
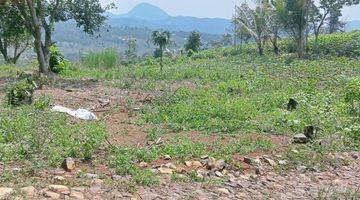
146 15
146 11
352 25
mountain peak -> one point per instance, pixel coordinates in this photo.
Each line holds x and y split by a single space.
146 11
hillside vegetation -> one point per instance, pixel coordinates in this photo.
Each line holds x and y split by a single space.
226 103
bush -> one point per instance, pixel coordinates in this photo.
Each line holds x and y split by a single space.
190 52
58 63
21 93
109 58
340 44
353 90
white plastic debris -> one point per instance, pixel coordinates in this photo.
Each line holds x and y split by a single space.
79 113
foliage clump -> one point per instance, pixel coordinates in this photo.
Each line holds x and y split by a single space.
106 59
58 63
21 92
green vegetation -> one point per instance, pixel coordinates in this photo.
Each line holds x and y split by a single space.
21 92
58 63
232 97
106 59
44 138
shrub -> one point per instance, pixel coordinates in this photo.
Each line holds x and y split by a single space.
58 63
42 103
353 90
21 92
108 58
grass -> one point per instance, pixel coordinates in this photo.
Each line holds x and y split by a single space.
227 92
46 138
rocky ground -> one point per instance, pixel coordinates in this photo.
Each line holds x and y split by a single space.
265 183
264 175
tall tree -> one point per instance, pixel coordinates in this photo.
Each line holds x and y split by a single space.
334 8
254 21
193 42
130 52
227 39
13 35
161 39
293 14
40 16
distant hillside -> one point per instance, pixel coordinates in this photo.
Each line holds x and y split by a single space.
73 42
146 15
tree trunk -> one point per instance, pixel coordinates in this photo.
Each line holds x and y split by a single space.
301 50
3 49
161 58
260 48
41 50
275 44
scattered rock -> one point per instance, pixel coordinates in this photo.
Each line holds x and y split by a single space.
167 157
77 195
51 195
97 181
59 179
170 165
5 192
241 196
258 170
16 170
193 164
270 162
301 168
59 189
95 189
215 165
223 191
219 174
92 176
248 160
69 164
136 109
143 165
28 191
104 102
164 170
300 138
354 155
282 162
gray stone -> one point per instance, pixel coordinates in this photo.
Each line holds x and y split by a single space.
69 164
300 138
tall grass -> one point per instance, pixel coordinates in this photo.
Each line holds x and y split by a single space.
106 59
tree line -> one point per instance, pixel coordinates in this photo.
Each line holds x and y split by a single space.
25 22
296 19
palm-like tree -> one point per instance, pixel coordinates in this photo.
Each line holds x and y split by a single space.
161 39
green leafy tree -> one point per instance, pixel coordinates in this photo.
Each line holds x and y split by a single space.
254 21
130 52
161 39
227 39
13 34
193 42
40 16
293 14
334 8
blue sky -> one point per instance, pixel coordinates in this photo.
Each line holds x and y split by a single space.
205 8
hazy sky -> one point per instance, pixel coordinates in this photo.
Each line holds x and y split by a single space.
204 8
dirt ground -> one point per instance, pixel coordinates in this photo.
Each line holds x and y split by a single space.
262 182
